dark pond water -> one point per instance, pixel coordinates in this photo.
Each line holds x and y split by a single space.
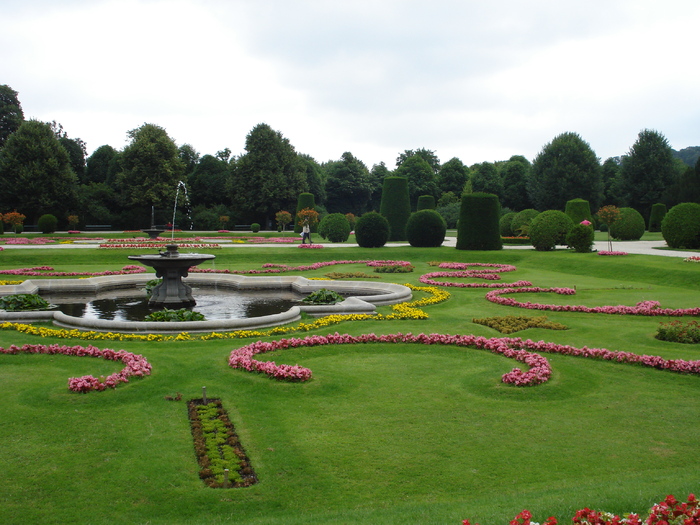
133 305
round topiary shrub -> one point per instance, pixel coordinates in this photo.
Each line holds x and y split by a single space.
629 227
426 229
255 227
681 226
504 224
548 229
47 223
396 206
478 222
580 238
579 210
425 202
372 230
334 227
521 222
658 212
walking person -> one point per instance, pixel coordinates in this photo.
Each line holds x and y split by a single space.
305 233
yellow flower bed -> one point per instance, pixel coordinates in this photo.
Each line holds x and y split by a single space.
409 310
10 282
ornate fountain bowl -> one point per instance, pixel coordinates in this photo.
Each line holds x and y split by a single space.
171 266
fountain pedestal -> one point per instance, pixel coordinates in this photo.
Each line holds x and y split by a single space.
172 266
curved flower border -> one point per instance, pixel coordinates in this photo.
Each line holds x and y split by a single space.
48 271
136 365
488 271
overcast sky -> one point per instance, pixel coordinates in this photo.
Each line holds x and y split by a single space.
478 80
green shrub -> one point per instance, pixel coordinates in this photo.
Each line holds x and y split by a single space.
425 202
579 210
394 268
658 212
450 213
47 223
678 332
255 227
504 224
305 200
580 238
478 222
396 206
173 316
372 230
548 229
426 229
334 227
521 222
629 227
681 226
23 302
323 296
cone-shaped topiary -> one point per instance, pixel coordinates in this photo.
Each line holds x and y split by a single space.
396 206
548 229
478 222
47 223
658 212
305 200
425 202
579 210
681 226
629 227
372 230
426 229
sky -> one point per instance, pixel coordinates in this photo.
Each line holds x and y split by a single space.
477 80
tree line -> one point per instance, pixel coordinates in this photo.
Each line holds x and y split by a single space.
43 170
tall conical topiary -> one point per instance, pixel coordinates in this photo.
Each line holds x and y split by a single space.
658 212
425 202
396 206
305 200
579 210
479 218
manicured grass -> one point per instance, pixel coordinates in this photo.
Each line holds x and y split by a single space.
384 433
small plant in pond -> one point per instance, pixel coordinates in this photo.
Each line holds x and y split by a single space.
323 296
22 302
183 314
150 285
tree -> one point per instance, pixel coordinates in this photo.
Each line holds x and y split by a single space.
189 157
421 177
611 180
376 182
77 152
208 182
347 185
426 154
11 114
315 178
514 175
452 176
566 168
151 169
647 171
35 173
486 179
100 164
268 177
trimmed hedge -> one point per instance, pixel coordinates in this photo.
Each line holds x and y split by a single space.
47 223
255 227
305 200
629 227
334 227
425 202
580 238
656 216
579 210
478 222
504 224
426 229
396 206
548 229
681 226
523 219
372 230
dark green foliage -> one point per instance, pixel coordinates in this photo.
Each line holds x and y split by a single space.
100 164
207 180
348 187
394 268
478 222
23 302
514 174
314 177
11 114
425 202
566 168
579 210
47 223
450 212
426 154
629 227
323 296
521 222
426 228
452 176
372 230
396 206
421 177
335 227
305 200
376 182
548 229
504 224
580 238
486 179
2 227
255 227
658 212
173 316
681 226
679 332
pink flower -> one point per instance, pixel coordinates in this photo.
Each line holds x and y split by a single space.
585 222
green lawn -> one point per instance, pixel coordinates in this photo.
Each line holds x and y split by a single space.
384 433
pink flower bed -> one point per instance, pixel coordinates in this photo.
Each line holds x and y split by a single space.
483 271
281 268
311 246
47 271
136 365
605 252
25 240
650 308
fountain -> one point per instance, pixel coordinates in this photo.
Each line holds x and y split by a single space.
153 232
172 266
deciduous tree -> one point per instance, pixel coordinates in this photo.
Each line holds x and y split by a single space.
11 114
421 177
348 186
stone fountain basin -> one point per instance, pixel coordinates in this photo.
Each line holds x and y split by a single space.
373 294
